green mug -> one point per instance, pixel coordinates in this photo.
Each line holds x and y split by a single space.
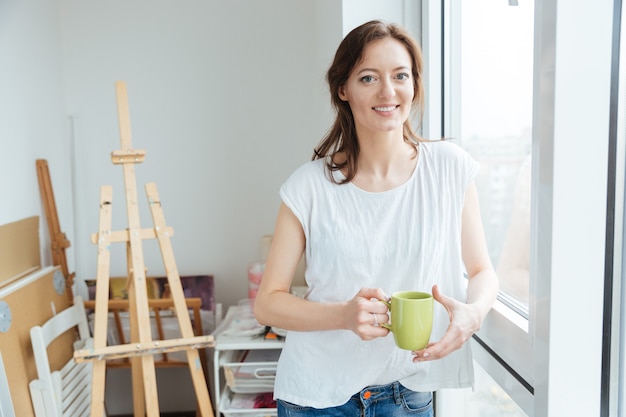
411 318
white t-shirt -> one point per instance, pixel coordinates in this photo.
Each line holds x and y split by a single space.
407 238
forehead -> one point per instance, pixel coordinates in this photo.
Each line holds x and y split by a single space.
384 53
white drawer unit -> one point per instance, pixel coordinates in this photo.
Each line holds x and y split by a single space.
244 366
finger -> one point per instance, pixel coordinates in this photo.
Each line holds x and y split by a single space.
378 308
379 319
375 333
383 318
433 352
376 299
371 293
368 318
450 342
447 302
369 332
444 350
382 295
438 295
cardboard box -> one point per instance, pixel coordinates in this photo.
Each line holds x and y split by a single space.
19 249
31 301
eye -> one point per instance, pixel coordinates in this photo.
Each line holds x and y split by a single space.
367 79
402 76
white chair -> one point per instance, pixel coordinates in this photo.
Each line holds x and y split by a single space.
6 405
66 392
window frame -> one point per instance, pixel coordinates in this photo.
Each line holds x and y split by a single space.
535 366
614 349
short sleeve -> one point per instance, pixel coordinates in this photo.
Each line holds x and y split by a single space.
297 192
457 162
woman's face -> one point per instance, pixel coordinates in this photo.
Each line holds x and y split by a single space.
380 88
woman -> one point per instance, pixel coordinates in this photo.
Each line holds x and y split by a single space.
378 210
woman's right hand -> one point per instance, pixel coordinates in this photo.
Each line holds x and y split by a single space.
365 312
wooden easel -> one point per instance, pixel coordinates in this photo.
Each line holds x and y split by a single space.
142 348
58 240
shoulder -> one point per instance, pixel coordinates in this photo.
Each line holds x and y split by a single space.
299 191
309 171
307 178
449 159
444 149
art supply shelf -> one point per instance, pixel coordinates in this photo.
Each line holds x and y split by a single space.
244 365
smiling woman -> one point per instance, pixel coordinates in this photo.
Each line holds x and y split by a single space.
341 141
370 217
379 90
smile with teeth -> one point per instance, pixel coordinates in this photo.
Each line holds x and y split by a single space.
387 108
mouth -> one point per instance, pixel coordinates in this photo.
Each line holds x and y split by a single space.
386 108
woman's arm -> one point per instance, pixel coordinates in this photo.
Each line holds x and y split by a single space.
482 288
275 306
483 285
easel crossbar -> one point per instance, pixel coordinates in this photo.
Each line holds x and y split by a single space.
141 349
124 236
128 156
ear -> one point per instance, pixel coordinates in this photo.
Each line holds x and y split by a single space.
341 92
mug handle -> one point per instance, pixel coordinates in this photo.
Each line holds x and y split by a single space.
386 325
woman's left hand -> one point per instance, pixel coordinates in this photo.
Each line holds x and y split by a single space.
465 319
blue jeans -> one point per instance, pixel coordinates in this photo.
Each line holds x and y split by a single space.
391 400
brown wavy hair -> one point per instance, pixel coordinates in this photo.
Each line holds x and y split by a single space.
342 135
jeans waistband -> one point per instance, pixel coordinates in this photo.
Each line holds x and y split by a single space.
375 393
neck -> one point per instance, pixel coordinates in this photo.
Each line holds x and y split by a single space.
384 165
381 151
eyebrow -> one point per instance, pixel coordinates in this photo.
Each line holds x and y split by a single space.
400 68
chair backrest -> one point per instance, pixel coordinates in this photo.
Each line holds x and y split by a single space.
65 392
6 405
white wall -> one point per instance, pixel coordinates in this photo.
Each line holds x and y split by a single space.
227 98
403 12
32 121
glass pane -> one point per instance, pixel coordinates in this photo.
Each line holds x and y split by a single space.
489 399
496 79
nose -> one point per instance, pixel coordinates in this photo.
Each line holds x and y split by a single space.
386 89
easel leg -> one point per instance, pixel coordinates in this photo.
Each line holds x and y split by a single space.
139 405
97 390
199 383
173 278
102 300
143 369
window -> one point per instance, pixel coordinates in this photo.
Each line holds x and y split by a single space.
614 382
489 86
495 85
540 131
488 109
